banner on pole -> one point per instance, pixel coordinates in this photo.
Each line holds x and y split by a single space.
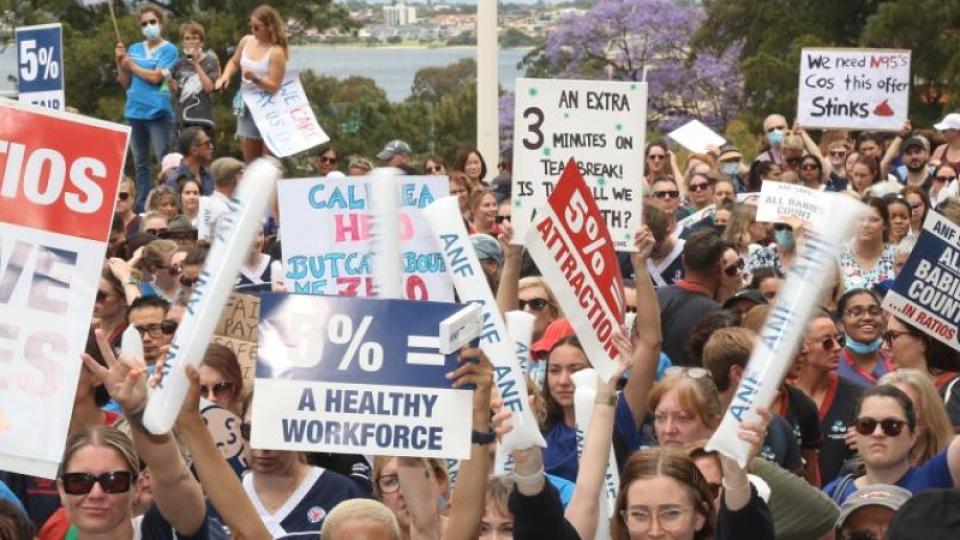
604 124
926 292
327 237
854 88
57 195
358 376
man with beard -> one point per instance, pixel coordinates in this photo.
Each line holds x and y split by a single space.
915 170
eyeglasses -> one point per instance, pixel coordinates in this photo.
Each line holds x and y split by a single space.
944 178
157 232
151 22
327 159
809 167
891 335
123 195
435 169
535 304
245 430
734 269
501 219
891 427
388 483
858 311
207 142
838 153
154 330
699 187
830 343
771 129
671 194
657 157
669 518
188 282
218 390
78 483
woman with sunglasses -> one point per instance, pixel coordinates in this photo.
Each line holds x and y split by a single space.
863 322
868 259
731 277
700 191
665 195
934 431
221 379
811 174
158 277
836 164
835 397
919 206
778 255
435 166
261 57
945 184
659 160
144 71
885 426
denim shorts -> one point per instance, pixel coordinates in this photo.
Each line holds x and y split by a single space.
246 127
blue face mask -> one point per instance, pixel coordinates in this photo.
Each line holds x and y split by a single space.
784 238
151 31
775 137
731 168
863 348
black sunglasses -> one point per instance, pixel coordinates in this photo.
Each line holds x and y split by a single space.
435 169
188 282
123 195
829 342
734 269
218 390
330 160
78 483
699 187
167 327
891 426
782 227
144 24
944 178
673 194
501 219
160 233
536 304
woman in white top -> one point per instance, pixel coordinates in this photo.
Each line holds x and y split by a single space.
261 57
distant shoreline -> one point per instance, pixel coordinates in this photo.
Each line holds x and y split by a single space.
395 47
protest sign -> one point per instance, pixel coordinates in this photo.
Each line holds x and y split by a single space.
357 376
786 324
696 136
285 119
573 249
603 124
854 88
327 237
231 243
926 293
464 268
237 329
224 428
40 65
781 202
60 174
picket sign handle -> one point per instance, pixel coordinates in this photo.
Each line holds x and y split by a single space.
387 270
231 243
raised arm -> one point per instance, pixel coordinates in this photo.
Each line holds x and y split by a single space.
508 290
894 149
584 507
647 334
175 491
219 481
467 508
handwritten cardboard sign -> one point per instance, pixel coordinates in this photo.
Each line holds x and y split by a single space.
237 329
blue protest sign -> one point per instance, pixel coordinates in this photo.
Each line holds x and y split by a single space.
354 375
926 292
40 65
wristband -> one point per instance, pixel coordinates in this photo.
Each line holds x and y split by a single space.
482 439
135 420
534 478
603 398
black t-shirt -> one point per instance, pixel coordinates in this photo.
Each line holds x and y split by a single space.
680 310
836 415
780 446
801 413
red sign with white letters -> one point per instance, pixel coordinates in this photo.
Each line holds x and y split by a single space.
59 174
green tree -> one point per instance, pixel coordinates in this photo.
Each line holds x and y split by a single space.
431 84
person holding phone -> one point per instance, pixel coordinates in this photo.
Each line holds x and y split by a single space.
192 79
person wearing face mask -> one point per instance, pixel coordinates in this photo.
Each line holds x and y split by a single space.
862 319
143 71
778 255
731 165
774 129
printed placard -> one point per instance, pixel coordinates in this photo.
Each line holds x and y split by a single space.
854 88
327 243
57 195
781 202
603 124
285 119
357 376
573 250
926 292
40 65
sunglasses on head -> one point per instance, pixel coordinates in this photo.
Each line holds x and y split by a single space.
734 269
691 372
151 22
671 194
891 427
123 196
536 304
501 219
78 483
218 390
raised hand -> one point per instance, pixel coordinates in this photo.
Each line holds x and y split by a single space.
124 377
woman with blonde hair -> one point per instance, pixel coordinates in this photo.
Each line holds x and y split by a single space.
157 276
261 57
934 431
744 231
685 405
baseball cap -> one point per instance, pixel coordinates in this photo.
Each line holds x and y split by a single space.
395 147
950 121
930 515
224 169
745 294
888 496
171 161
917 140
555 331
487 247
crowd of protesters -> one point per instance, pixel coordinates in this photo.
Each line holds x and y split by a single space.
860 442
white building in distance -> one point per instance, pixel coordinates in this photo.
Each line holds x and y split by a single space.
399 15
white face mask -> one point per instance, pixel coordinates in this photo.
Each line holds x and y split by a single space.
151 31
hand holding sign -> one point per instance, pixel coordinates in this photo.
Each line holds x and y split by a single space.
476 369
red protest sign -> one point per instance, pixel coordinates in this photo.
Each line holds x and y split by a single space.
569 241
59 174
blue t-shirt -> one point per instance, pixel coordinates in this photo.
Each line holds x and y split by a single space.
933 474
145 100
560 456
